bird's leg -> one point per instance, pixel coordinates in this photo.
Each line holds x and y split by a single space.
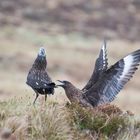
45 97
36 97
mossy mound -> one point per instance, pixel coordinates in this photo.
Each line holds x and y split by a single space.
107 122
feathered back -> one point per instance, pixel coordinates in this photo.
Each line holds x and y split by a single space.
40 63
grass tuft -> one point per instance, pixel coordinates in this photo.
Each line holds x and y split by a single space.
52 121
42 122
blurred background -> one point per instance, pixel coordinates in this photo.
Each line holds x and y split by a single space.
72 31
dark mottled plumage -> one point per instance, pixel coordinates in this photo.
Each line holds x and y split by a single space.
38 78
105 83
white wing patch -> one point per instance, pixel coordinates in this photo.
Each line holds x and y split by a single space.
37 83
128 62
104 54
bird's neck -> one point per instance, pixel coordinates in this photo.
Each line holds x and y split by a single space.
72 93
40 63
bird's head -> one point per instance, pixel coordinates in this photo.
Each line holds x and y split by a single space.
42 52
64 84
70 90
40 62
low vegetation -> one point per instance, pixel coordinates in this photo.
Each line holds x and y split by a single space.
19 119
105 122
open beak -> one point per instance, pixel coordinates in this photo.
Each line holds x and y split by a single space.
61 83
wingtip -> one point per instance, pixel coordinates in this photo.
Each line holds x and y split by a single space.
135 55
104 43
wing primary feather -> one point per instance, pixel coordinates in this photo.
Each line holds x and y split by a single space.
101 65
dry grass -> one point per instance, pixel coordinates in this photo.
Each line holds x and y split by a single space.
104 18
26 121
21 120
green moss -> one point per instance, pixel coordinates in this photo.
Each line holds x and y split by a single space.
85 119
